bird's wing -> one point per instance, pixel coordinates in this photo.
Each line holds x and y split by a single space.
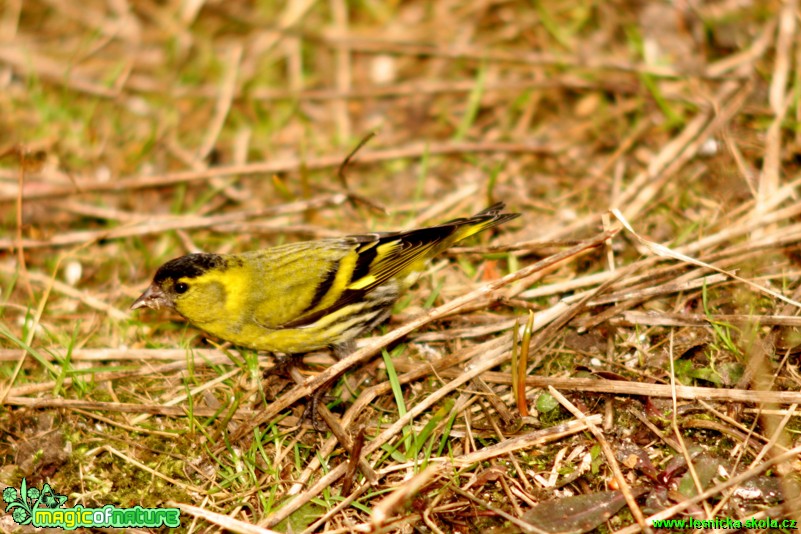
377 258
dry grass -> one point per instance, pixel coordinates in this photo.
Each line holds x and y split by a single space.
659 375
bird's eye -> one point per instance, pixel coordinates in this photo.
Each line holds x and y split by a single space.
181 287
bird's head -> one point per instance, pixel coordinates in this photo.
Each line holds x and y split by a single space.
180 284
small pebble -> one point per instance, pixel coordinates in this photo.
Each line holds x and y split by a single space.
73 271
708 148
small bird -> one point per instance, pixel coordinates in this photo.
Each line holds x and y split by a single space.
300 297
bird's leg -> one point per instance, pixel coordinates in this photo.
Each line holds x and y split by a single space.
340 351
312 410
288 365
283 363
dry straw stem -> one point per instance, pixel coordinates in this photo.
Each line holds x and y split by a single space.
662 280
779 103
631 318
140 225
153 472
226 522
26 343
622 387
69 291
126 354
679 151
87 185
384 510
706 245
434 87
677 432
523 525
683 148
664 251
121 407
609 454
124 426
145 370
597 63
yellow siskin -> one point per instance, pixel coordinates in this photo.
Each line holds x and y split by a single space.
300 297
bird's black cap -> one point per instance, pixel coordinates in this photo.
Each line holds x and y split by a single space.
189 266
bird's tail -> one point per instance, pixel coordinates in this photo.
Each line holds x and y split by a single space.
483 220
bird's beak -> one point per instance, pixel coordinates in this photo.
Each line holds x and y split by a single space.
153 298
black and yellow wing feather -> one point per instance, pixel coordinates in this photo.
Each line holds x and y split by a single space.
378 258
